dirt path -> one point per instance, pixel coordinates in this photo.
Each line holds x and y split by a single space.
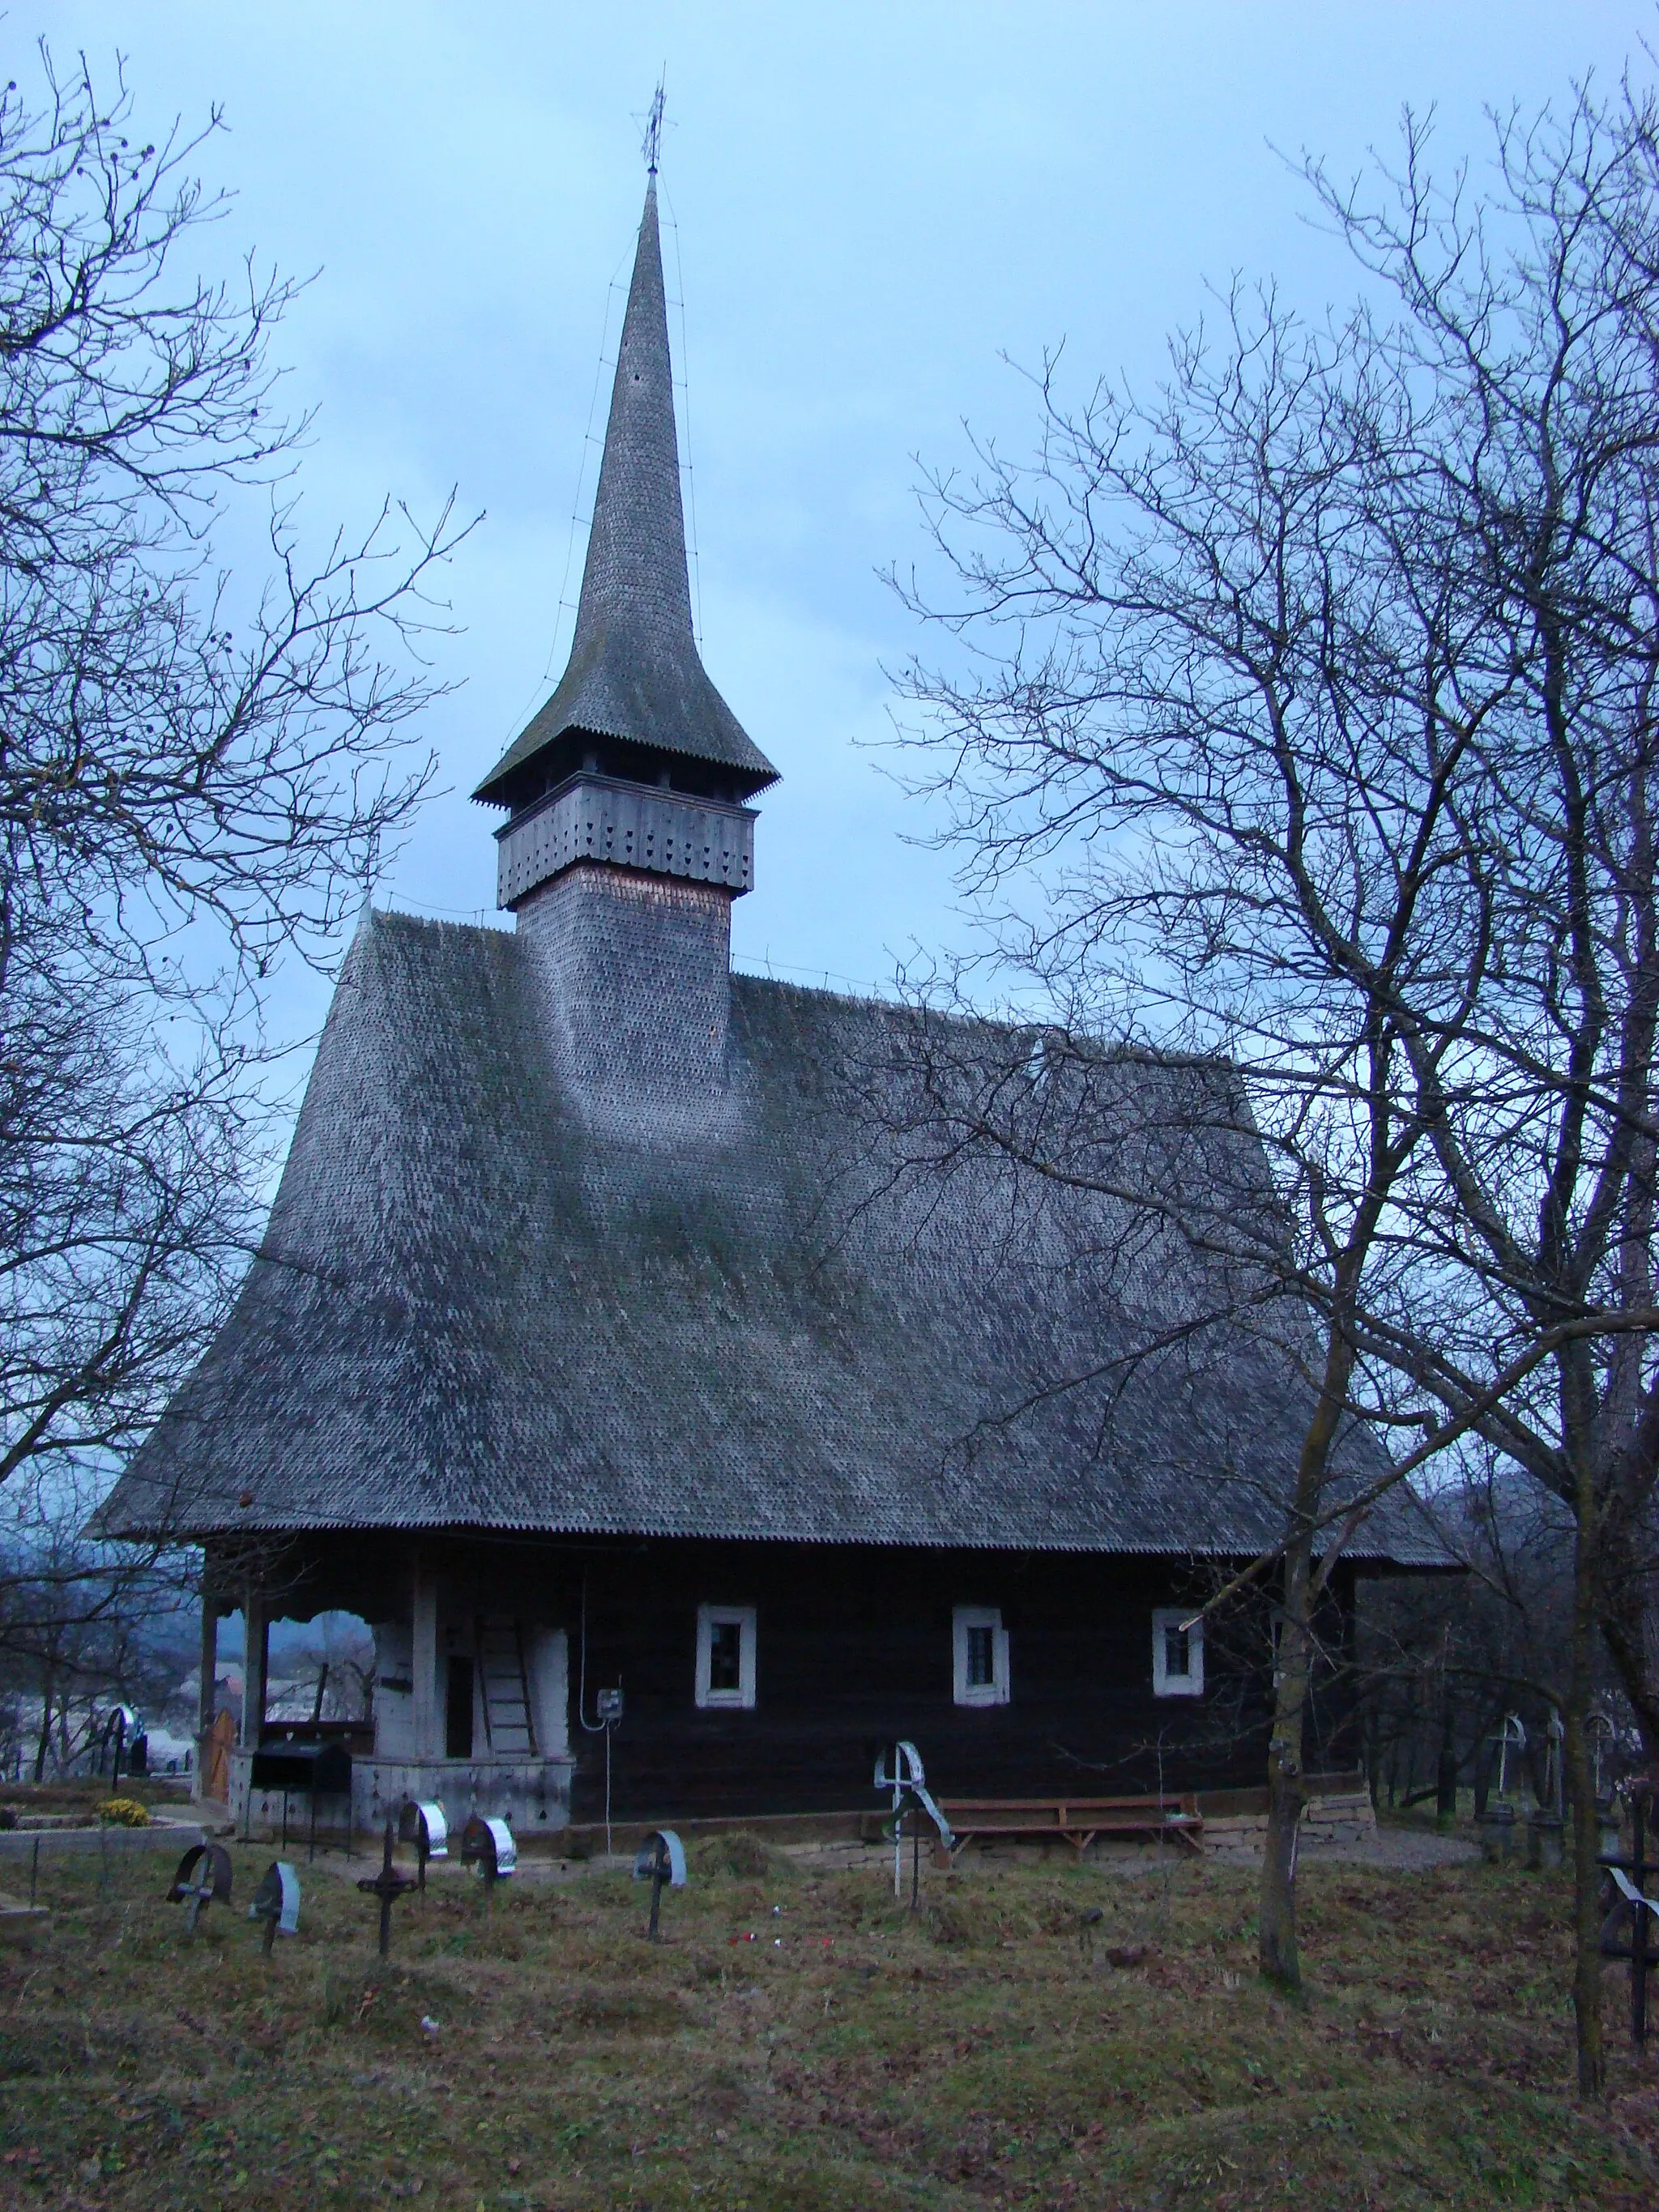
1402 1850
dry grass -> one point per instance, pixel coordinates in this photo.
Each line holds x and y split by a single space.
845 2057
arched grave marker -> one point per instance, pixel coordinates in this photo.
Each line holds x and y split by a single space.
276 1902
661 1860
423 1823
488 1845
202 1878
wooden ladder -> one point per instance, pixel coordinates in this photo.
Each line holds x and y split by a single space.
509 1725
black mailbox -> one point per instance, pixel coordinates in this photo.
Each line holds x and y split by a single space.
320 1769
324 1769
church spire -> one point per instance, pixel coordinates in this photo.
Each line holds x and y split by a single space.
634 673
636 570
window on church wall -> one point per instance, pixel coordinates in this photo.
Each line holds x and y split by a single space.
1177 1654
980 1664
725 1656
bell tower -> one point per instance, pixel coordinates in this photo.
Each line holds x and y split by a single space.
628 833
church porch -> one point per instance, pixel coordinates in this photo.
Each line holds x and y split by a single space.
469 1696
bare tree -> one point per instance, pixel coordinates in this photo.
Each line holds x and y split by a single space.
1313 700
124 1214
199 771
1445 1662
336 1660
171 746
1255 850
81 1630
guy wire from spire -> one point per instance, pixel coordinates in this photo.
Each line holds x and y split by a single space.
683 383
565 605
651 148
635 674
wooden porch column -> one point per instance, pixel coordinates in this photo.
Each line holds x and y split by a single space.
206 1702
423 1614
256 1656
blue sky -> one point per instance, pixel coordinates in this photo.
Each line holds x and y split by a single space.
872 205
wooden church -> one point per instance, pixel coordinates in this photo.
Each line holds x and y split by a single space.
678 1453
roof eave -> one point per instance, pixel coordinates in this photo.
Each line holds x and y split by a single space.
1382 1559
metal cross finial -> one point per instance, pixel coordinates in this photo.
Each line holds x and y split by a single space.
651 144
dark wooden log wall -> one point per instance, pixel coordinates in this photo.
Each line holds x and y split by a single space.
854 1651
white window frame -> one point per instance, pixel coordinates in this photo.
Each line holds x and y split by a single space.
708 1617
1165 1683
996 1691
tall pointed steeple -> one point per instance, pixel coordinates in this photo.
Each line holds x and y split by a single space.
636 574
634 675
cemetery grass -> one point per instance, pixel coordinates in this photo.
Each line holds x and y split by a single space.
988 2053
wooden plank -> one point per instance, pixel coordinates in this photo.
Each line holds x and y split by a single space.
1077 1821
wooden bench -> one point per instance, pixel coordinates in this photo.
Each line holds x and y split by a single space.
1074 1820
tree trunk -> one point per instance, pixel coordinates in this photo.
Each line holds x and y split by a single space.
1445 1787
1482 1778
1277 1949
1279 1956
1587 1910
44 1743
1625 1624
1576 1751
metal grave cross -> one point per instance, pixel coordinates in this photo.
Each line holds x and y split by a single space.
908 1782
388 1886
276 1902
202 1878
661 1859
1631 1877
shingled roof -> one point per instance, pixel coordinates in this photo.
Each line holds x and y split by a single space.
478 1305
635 671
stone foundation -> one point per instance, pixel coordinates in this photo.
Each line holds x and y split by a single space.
1336 1817
533 1798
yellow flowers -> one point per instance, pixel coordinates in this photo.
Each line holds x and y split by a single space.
123 1812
